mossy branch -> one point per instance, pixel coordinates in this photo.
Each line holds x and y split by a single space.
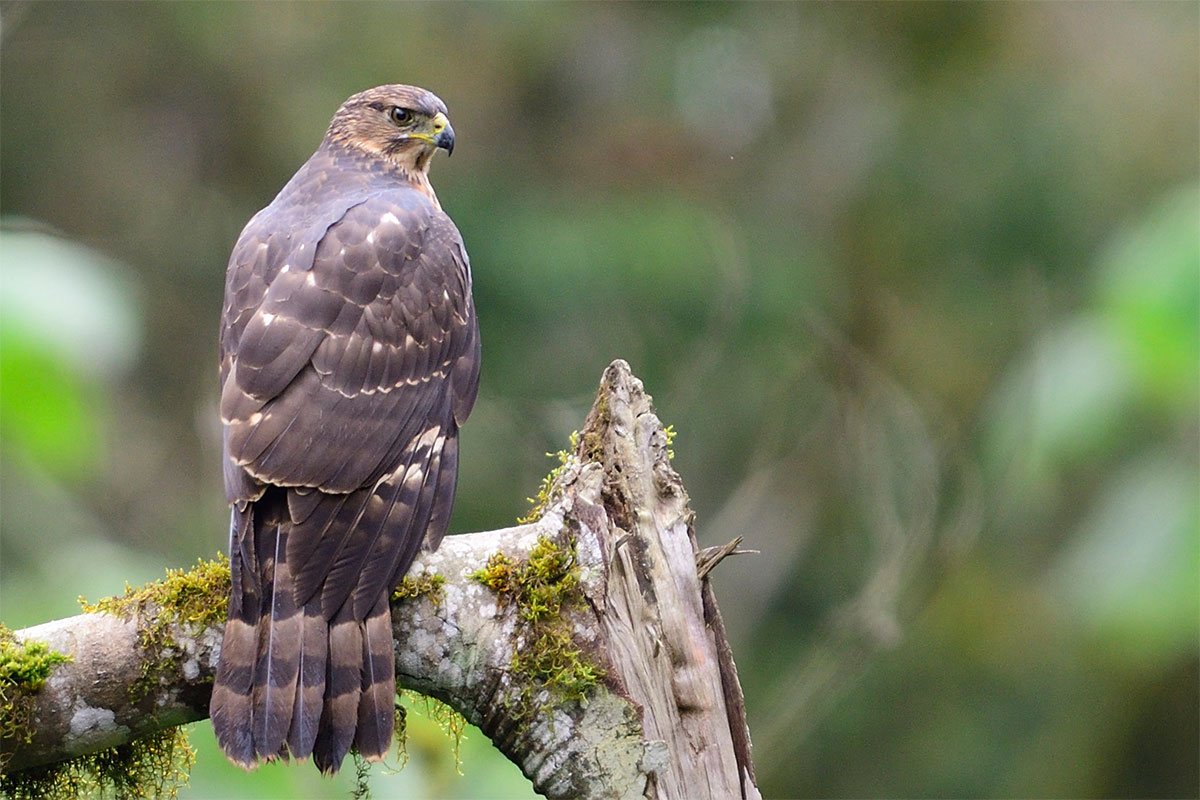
583 642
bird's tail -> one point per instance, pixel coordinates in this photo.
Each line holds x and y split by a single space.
291 683
361 690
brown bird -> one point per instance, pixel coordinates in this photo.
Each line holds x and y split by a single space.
349 359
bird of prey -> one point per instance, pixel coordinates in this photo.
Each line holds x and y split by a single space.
349 360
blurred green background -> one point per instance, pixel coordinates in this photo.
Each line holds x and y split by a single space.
917 285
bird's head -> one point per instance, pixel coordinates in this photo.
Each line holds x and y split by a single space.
404 124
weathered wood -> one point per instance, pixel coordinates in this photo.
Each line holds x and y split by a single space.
665 719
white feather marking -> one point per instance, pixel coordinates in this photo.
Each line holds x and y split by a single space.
438 373
310 279
391 218
371 237
256 418
267 319
375 348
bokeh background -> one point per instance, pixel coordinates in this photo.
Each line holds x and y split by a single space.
917 285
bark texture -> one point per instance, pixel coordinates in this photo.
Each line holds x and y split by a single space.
663 718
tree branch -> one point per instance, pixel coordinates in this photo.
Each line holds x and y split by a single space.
627 688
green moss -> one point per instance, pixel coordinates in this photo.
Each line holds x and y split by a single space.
594 427
400 731
452 724
24 668
593 436
197 597
549 491
156 765
497 574
670 434
153 766
427 584
362 776
542 587
26 665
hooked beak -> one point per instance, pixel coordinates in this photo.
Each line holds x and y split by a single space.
441 133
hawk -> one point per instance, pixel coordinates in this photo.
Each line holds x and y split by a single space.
349 359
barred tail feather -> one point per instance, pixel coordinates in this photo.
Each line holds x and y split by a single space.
339 717
310 691
376 705
230 708
382 510
280 638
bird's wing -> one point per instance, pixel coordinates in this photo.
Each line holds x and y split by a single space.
346 383
338 366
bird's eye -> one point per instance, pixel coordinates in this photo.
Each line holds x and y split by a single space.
400 116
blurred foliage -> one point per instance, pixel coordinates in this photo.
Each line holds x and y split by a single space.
50 406
918 284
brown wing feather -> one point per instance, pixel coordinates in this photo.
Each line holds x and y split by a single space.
362 368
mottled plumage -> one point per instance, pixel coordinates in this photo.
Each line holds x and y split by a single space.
349 359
